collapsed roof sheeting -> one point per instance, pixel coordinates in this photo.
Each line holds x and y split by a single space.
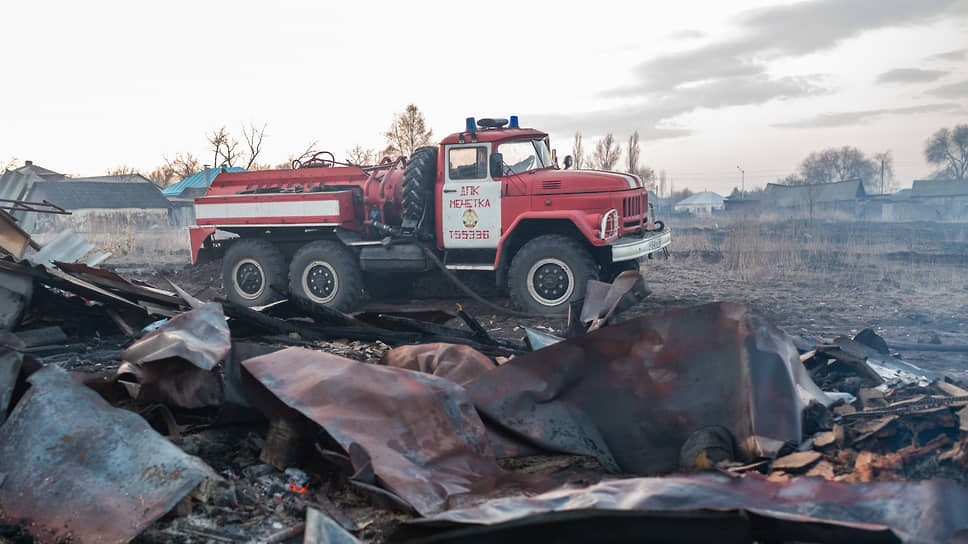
95 473
417 434
632 393
928 511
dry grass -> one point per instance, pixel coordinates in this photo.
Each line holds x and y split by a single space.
922 256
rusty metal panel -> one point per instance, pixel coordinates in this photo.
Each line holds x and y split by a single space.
632 393
199 336
417 434
11 356
174 363
917 512
457 363
80 470
13 239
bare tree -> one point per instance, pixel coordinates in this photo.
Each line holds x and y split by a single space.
947 150
253 140
833 165
607 152
632 154
162 176
662 182
578 152
9 164
224 147
884 162
183 165
648 177
360 156
121 170
408 132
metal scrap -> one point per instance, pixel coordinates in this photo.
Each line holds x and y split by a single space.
632 393
803 509
604 300
11 356
414 434
457 363
95 473
173 363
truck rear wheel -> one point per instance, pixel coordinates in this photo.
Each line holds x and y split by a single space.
325 273
550 272
419 179
253 273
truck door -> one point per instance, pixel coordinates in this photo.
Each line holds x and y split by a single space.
471 199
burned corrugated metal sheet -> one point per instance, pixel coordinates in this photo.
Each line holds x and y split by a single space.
174 363
67 247
928 511
79 470
632 393
417 434
11 355
457 363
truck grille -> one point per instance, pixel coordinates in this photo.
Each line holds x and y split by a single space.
632 206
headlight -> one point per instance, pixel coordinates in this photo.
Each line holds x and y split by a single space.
609 226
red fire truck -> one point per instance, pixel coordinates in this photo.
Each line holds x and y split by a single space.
489 198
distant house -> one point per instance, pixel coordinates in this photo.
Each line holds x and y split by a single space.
839 198
701 203
97 204
182 195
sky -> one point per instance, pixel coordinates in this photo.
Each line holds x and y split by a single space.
711 87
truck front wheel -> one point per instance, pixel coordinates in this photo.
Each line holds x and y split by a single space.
253 273
550 272
325 274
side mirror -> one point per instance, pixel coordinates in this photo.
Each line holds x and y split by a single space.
497 165
568 162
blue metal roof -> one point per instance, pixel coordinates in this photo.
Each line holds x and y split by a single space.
201 179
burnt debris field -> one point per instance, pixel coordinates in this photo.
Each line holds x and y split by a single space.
797 381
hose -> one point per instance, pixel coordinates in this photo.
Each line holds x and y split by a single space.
470 292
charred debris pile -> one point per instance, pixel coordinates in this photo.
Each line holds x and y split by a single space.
131 412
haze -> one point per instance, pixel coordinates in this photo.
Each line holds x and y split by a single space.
709 87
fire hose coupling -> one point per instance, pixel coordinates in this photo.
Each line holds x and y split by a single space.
609 225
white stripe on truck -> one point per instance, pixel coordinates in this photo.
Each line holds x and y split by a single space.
297 208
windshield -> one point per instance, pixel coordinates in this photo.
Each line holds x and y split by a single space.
524 155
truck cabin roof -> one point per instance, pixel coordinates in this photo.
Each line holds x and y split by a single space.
495 135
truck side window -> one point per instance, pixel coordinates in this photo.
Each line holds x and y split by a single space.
467 163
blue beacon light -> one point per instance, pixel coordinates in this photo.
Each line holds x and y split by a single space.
471 125
514 122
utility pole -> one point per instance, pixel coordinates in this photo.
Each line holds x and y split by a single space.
882 175
743 172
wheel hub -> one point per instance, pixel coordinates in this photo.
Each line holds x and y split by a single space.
551 282
320 282
249 279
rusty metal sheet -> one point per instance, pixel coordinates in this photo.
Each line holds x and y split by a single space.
418 435
632 393
457 363
199 336
80 470
916 512
11 356
603 300
174 363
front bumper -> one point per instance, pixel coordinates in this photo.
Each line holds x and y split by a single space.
631 247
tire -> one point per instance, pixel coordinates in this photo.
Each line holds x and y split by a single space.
419 179
549 258
325 273
383 287
253 273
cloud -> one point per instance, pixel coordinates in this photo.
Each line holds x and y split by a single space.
651 116
687 35
952 90
910 75
958 54
857 117
789 30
